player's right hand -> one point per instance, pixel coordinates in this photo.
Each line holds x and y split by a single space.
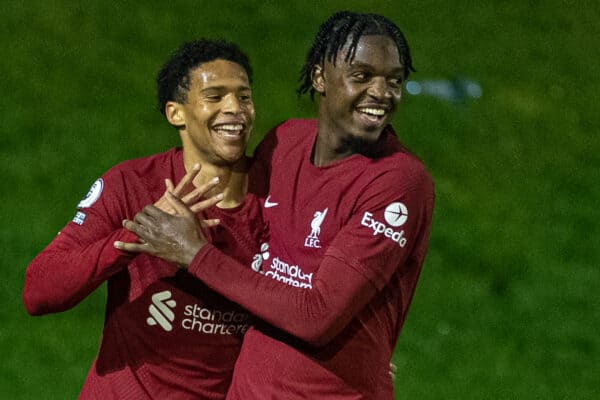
173 237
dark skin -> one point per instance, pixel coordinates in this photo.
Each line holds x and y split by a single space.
173 237
357 101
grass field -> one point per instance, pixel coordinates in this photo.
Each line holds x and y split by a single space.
507 306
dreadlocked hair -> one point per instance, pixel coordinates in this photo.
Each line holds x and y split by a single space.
173 80
341 28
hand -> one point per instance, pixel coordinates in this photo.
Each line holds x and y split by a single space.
176 238
186 191
393 370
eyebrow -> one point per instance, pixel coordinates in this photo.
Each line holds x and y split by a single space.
206 89
359 64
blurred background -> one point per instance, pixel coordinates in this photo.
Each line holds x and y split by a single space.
505 116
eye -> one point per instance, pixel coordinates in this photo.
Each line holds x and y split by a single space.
245 98
361 76
396 82
213 98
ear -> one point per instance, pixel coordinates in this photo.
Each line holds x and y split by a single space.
175 114
318 78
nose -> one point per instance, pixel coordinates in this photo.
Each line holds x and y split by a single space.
231 104
379 89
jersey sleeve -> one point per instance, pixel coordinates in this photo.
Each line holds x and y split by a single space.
81 256
390 223
365 254
315 316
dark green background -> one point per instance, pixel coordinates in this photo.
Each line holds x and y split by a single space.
507 306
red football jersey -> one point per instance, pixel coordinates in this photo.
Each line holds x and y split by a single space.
166 335
336 277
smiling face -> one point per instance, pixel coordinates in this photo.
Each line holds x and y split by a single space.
358 98
216 120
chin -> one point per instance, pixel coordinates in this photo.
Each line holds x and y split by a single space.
369 134
359 144
364 141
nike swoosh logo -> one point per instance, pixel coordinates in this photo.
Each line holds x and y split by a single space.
269 203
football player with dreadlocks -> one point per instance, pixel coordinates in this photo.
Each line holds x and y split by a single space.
349 211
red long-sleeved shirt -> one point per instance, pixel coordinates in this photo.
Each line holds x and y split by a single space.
347 242
166 335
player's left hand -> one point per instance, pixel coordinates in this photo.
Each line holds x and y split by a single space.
184 187
176 238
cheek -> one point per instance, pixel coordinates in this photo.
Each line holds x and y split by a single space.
205 113
251 113
353 91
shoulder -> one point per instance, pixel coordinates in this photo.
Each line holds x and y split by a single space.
144 165
409 168
142 171
295 125
400 175
291 131
286 142
132 176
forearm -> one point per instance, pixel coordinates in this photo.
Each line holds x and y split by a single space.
314 315
66 272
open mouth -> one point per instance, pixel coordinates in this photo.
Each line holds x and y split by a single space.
230 131
372 115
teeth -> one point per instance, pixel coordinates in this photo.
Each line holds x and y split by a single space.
230 127
373 111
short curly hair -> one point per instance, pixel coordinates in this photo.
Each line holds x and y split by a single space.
173 80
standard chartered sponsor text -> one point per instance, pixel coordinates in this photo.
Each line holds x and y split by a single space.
214 322
289 274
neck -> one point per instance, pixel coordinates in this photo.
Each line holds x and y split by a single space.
233 182
334 143
328 149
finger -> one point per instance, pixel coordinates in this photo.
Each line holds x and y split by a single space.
179 206
143 218
393 370
166 207
154 212
209 223
141 231
169 185
133 247
200 191
204 204
186 180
